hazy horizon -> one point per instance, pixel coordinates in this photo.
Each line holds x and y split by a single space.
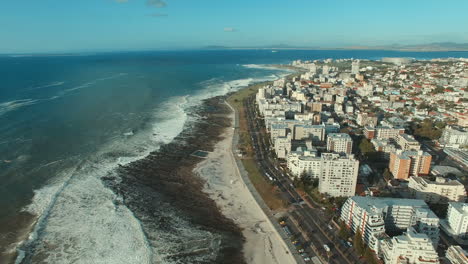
131 25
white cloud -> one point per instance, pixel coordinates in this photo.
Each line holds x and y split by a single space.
156 3
229 29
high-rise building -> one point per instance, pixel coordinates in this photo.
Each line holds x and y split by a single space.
440 190
338 175
456 223
355 67
325 69
339 143
409 163
456 255
373 216
409 248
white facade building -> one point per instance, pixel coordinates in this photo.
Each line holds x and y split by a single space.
454 137
373 216
456 223
440 190
339 143
409 248
338 175
456 255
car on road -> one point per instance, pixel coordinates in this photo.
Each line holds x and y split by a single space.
349 244
330 227
326 247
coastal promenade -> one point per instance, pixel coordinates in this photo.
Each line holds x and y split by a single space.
246 180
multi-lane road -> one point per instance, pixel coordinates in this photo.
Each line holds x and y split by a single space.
311 221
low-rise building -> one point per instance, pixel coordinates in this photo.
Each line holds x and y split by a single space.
438 191
409 248
454 137
366 119
407 142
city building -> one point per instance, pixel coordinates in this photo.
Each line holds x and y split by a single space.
355 67
407 142
456 222
366 119
382 132
282 146
338 175
409 163
454 137
314 132
439 191
409 248
456 255
375 216
339 143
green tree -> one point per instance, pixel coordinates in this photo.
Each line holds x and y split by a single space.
344 231
366 146
387 175
358 243
369 256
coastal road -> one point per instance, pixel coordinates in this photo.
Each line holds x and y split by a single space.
313 220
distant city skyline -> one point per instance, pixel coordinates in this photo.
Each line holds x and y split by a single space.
113 25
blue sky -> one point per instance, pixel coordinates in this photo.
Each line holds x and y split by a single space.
109 25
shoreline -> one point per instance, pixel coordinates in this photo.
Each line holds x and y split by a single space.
225 185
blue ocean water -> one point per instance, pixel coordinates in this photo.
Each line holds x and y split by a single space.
66 121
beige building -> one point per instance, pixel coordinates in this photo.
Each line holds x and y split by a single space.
440 190
339 143
407 142
409 248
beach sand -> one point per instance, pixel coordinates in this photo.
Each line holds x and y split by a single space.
224 185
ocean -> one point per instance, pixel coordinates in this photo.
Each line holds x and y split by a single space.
67 123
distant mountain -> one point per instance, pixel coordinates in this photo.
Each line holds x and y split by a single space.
437 46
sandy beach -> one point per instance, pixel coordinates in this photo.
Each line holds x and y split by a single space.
224 185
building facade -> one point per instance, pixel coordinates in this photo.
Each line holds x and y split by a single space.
409 248
439 191
374 216
338 175
409 163
339 143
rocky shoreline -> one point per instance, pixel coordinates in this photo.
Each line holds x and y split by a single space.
165 179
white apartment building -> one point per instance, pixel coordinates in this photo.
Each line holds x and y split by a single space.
373 216
278 130
355 67
339 143
407 142
338 175
454 137
282 146
409 248
456 255
456 223
314 132
307 162
440 190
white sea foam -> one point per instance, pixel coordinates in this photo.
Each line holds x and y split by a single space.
47 85
263 67
83 221
9 106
